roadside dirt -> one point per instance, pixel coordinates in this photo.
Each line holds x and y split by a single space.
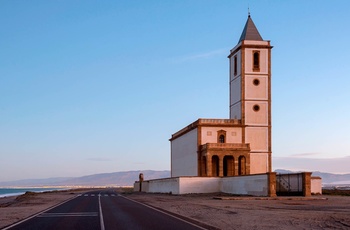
224 212
320 212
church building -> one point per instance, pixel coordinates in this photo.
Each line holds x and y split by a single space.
233 155
240 145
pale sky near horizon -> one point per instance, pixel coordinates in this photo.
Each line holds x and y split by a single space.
99 86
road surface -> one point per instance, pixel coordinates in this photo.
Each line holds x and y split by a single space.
103 210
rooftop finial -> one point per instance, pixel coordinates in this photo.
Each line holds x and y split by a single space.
248 11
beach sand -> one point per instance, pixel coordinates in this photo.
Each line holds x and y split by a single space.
224 212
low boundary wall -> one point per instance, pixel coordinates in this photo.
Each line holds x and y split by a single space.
316 185
255 185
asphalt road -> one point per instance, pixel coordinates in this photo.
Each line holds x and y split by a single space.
103 210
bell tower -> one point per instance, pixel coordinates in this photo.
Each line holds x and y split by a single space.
250 94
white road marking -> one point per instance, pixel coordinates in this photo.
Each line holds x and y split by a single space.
15 224
68 214
92 194
101 215
165 213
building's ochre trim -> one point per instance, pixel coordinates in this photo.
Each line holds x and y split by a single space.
242 46
243 92
207 123
269 113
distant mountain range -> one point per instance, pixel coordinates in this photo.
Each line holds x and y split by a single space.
327 178
103 179
129 177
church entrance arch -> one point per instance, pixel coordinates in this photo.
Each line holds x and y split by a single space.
241 165
229 165
215 165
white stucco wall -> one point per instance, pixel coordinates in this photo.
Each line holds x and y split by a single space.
235 111
263 60
184 155
235 90
199 184
257 137
232 76
259 163
254 92
256 117
210 134
256 185
316 185
168 185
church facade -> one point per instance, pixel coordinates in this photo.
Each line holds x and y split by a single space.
240 145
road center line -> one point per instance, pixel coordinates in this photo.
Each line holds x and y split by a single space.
101 215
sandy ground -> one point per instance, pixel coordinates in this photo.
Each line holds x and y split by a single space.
319 212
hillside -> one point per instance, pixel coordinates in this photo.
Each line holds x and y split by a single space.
327 178
103 179
128 178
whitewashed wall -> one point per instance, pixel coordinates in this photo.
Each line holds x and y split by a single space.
184 155
256 185
259 163
316 185
232 63
258 138
199 184
255 92
263 60
210 134
256 117
168 185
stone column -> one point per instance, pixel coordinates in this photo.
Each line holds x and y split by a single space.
271 184
236 166
221 166
306 183
209 165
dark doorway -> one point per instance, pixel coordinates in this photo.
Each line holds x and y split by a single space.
229 166
215 165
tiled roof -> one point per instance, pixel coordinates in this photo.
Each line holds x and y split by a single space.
250 32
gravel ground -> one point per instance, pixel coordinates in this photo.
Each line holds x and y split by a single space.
223 212
319 212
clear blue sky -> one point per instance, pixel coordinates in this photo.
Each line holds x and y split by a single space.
99 86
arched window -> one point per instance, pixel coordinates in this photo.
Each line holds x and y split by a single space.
222 139
256 61
221 136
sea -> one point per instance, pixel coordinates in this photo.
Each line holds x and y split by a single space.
4 192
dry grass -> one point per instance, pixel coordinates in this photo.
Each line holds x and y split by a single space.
336 192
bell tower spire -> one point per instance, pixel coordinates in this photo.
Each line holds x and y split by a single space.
250 94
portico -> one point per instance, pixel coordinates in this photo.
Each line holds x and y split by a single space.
224 159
